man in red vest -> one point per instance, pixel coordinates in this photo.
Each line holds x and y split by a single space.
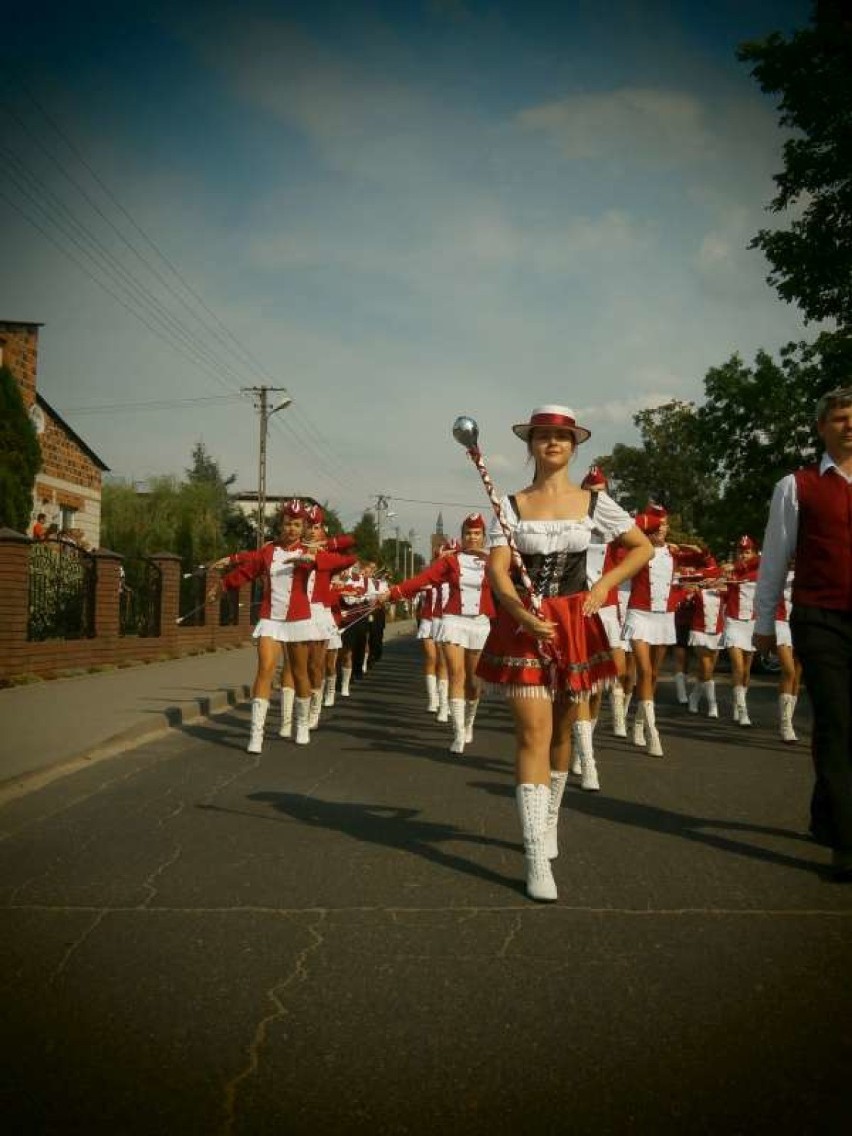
811 518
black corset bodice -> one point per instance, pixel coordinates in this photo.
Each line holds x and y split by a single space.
555 573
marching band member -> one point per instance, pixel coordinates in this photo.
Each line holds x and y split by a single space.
544 663
791 668
739 622
705 636
285 616
355 600
319 592
650 625
465 621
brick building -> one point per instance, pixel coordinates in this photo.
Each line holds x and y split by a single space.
68 485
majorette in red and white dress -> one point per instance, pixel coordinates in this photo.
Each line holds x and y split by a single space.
554 554
651 607
467 607
708 610
600 558
334 560
782 613
739 598
285 607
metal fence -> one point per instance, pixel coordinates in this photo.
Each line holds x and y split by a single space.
193 588
61 592
140 598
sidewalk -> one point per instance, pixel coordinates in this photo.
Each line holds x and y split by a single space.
53 727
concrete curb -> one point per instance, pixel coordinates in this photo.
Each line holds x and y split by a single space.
160 724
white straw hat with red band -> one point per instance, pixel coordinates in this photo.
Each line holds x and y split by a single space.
559 416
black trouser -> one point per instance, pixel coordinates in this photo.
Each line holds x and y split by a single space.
355 639
822 639
376 635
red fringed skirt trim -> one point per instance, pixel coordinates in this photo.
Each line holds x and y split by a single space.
575 664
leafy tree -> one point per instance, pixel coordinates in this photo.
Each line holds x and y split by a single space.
367 537
812 73
20 456
757 424
668 467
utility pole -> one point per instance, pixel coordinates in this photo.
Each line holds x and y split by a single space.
381 508
260 393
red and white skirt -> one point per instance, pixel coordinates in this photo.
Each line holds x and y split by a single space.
574 664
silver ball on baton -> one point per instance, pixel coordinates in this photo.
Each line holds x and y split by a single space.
466 431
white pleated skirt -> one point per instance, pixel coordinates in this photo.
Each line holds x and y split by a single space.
738 633
468 631
654 627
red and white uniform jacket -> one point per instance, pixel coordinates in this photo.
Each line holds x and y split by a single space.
740 594
469 592
651 588
353 596
782 612
333 560
600 558
425 601
708 610
285 573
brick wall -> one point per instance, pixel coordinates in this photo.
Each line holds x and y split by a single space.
54 657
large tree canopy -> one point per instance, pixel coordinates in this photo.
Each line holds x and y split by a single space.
812 73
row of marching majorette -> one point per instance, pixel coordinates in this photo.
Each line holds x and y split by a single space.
320 614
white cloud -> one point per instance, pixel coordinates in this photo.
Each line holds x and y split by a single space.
636 123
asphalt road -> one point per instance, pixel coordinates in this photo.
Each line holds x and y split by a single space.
335 938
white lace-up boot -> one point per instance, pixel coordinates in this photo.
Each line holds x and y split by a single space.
345 679
470 707
639 724
693 702
287 696
443 700
259 707
558 781
680 688
710 695
588 768
301 712
654 748
533 802
330 684
457 719
786 705
618 710
432 694
315 709
740 708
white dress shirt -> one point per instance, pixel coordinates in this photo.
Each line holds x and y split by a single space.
779 546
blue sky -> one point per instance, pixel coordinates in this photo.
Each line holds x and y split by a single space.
400 212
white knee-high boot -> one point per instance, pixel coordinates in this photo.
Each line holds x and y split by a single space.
457 719
301 713
680 687
533 802
443 700
315 708
470 707
710 695
618 710
431 694
287 696
654 748
639 724
345 679
558 781
585 746
786 705
740 707
259 707
330 684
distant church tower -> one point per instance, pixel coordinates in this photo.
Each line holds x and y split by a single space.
437 538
